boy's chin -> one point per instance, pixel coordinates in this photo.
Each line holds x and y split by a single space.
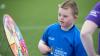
63 25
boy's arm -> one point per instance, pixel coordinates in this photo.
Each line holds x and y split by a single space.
44 49
86 37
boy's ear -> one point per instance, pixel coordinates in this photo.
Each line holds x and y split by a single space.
75 17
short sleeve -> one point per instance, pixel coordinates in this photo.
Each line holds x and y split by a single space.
44 37
94 14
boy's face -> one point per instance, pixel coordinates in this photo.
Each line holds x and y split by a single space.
66 17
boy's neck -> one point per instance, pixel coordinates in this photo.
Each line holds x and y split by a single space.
67 28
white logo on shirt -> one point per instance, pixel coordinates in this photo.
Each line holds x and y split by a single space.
94 13
59 52
51 38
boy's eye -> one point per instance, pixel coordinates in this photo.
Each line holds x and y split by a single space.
65 16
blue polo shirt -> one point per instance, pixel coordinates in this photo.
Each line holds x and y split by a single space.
63 43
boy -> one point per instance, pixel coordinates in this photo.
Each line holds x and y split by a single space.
90 25
63 38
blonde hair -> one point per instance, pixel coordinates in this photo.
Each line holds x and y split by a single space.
70 3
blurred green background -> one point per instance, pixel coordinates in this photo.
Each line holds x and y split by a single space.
32 16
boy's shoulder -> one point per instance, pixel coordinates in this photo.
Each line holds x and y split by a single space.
53 26
76 29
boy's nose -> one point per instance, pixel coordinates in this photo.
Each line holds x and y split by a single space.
62 18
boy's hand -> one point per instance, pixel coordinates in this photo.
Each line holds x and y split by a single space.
44 49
